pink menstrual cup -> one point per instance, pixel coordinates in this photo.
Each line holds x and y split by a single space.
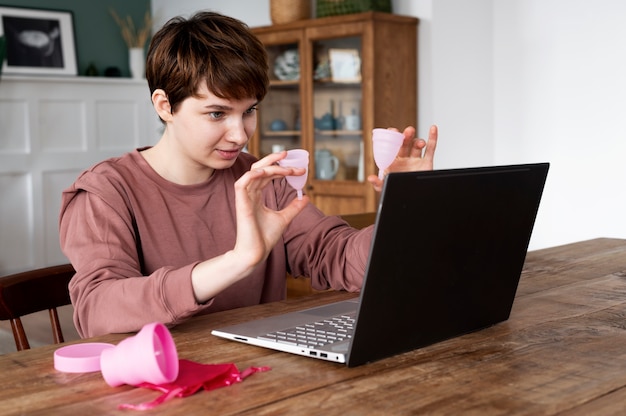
150 356
296 158
386 145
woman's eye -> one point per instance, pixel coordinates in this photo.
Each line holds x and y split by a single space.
251 110
216 115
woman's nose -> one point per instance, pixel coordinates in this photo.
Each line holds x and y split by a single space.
237 134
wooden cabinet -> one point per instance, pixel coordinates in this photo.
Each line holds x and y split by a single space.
333 80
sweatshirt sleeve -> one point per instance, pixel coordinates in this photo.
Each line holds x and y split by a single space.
326 249
109 292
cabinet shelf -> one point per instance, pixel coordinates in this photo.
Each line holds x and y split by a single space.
277 83
330 83
282 133
344 133
383 92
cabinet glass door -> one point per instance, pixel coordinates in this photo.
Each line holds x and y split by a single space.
279 124
337 95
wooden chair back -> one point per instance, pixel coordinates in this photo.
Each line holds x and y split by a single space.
33 291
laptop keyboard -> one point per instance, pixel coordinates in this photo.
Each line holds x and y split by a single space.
318 334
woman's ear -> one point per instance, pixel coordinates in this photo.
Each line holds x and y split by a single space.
162 105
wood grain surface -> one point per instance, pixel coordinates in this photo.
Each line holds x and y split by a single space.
563 351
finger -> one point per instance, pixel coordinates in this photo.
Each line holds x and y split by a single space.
270 159
258 178
294 208
407 144
433 135
255 179
418 147
277 171
376 182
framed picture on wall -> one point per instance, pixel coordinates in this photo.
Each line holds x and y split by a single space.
38 42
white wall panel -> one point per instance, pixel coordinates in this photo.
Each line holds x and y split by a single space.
16 231
51 130
115 121
14 125
61 125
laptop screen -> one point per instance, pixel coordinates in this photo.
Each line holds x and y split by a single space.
447 254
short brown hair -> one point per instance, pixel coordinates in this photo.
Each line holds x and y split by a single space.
207 47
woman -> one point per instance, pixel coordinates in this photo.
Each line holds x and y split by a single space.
193 224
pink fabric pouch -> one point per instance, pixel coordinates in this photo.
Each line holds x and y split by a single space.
192 377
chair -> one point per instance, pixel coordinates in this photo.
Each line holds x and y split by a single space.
33 291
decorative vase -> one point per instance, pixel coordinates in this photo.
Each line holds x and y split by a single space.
137 63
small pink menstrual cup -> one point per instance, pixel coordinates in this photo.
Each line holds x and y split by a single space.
386 144
150 356
296 158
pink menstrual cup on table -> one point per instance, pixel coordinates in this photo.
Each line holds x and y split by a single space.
296 158
386 144
150 356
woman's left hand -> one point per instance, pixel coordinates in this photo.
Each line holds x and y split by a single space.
415 154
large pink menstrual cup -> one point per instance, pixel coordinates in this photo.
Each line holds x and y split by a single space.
296 158
150 356
386 144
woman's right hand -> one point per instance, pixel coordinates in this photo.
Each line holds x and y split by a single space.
259 229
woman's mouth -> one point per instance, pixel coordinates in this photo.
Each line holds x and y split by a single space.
228 154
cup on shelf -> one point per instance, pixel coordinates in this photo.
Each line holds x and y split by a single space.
278 125
326 164
352 122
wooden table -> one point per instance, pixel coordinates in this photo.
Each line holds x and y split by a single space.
563 351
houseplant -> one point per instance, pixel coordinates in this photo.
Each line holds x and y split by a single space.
135 39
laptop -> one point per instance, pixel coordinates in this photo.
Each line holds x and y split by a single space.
445 260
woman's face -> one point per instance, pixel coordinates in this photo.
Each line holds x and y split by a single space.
210 132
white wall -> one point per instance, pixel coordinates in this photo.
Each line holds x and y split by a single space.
252 12
560 96
518 81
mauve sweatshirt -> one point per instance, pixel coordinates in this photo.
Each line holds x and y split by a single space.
134 237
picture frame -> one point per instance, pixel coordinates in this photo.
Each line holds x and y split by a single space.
38 41
345 65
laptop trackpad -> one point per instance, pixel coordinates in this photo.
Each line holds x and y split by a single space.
333 309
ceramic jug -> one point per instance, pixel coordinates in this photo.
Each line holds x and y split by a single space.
326 164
